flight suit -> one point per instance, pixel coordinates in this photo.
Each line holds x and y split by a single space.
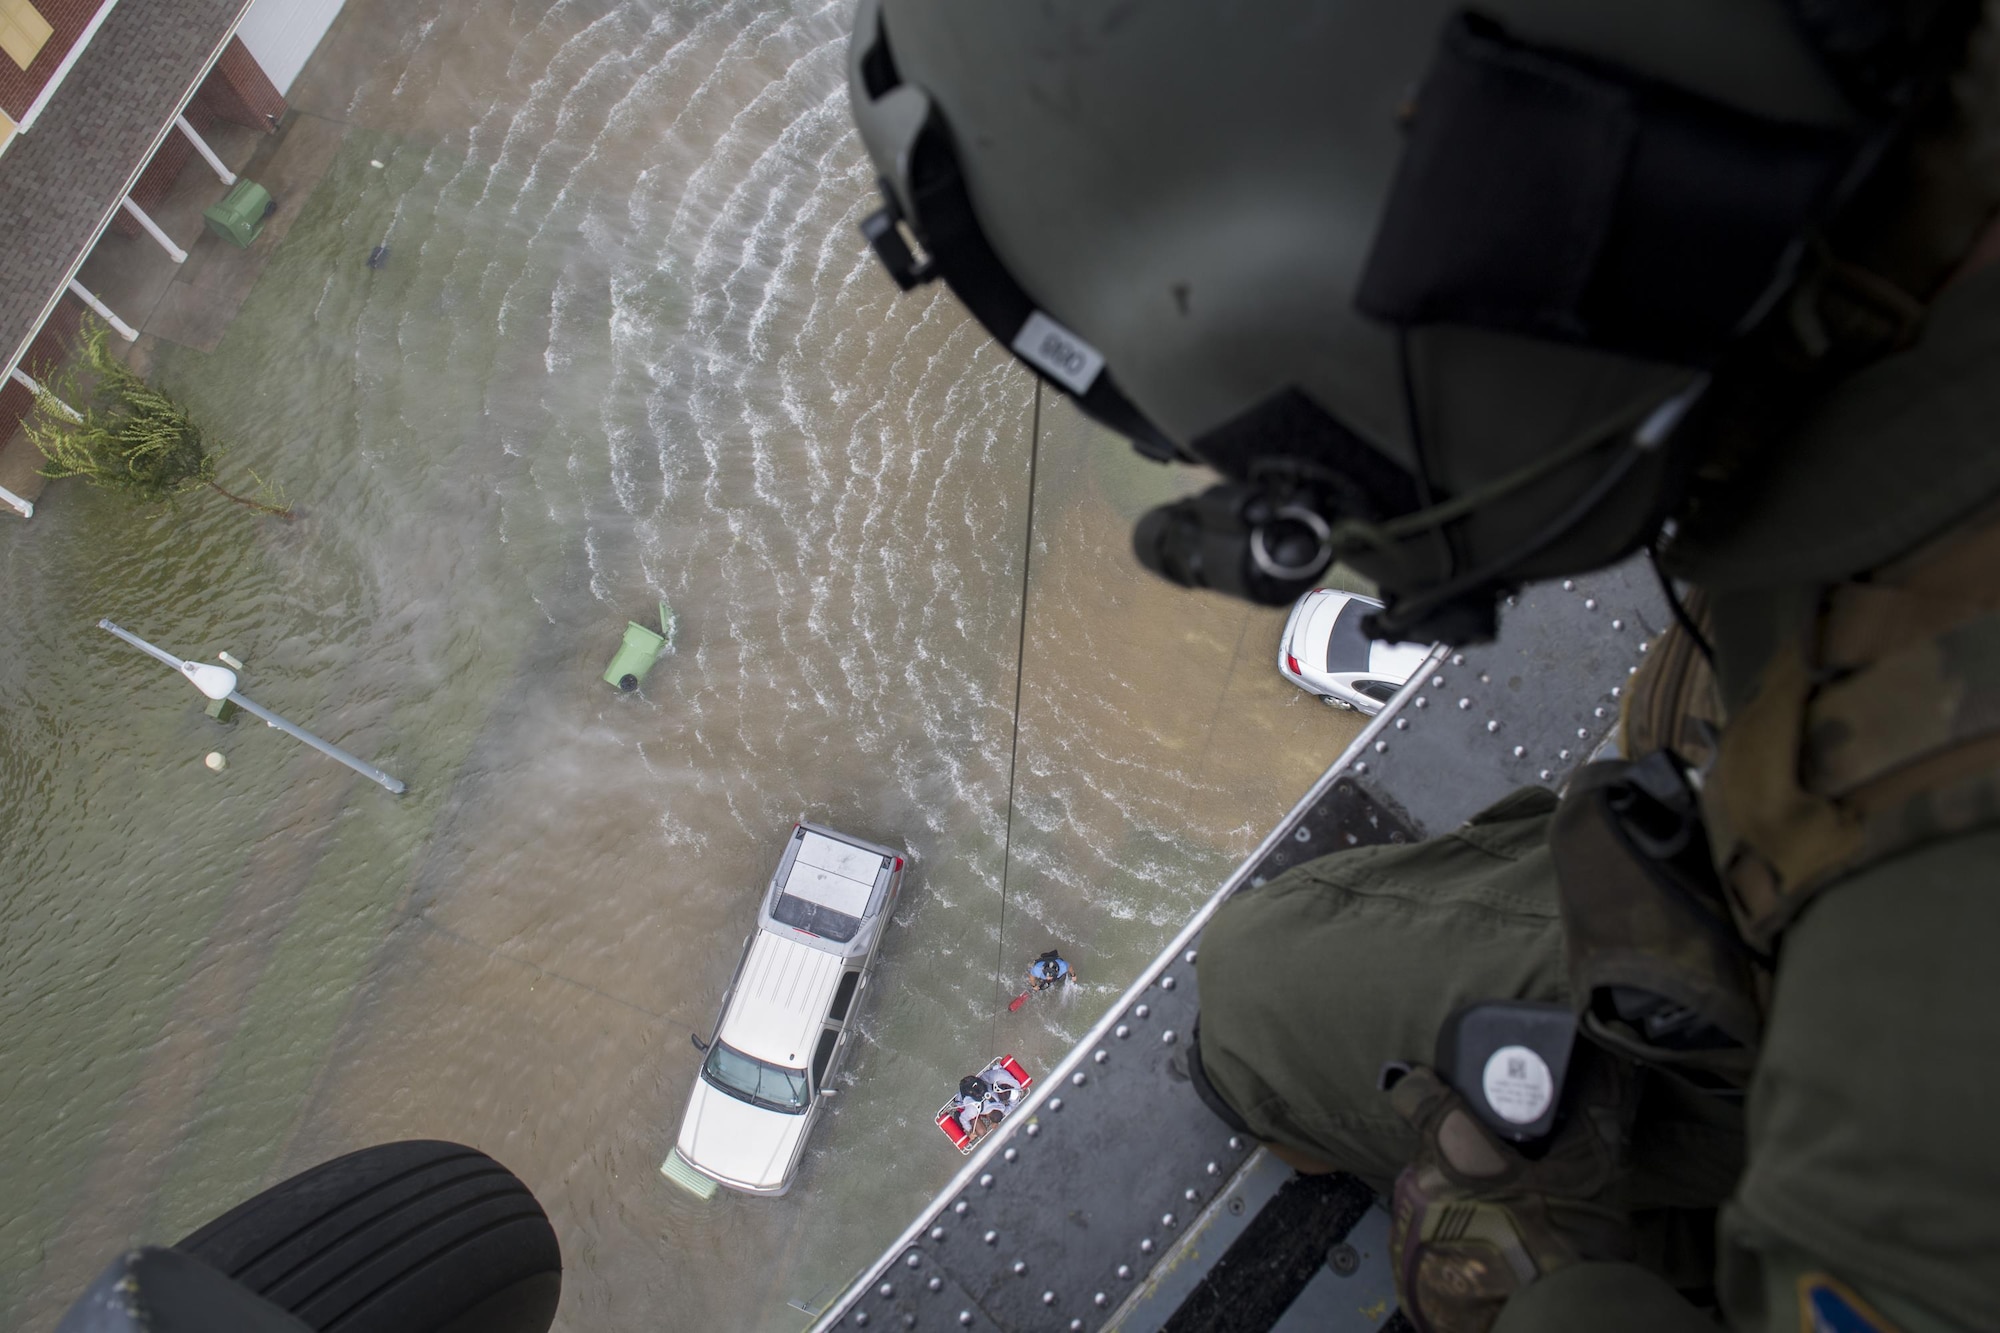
1863 1182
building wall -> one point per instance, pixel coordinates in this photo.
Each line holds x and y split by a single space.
18 87
236 91
283 34
50 347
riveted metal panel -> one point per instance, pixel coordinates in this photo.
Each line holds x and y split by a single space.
1528 709
1080 1210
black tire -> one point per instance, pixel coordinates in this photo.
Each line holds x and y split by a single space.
414 1237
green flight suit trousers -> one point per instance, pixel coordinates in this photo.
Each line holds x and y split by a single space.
1310 983
1870 1148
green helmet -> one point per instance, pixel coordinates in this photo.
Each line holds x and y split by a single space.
1432 291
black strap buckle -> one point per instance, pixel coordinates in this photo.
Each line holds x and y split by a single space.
884 231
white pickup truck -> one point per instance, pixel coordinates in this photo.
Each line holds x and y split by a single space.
784 1022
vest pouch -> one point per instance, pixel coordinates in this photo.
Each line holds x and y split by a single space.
1657 969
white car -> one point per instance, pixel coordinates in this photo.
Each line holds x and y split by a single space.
783 1026
1324 651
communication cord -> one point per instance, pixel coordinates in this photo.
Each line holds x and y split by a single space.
1014 746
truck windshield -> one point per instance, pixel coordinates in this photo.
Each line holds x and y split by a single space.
815 918
749 1079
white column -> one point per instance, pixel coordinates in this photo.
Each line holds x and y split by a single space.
125 331
153 229
201 146
27 507
28 382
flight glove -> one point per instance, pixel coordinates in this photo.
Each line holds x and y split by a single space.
1476 1218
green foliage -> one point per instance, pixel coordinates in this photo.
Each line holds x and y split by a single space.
131 437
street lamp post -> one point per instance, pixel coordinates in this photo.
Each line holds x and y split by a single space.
219 682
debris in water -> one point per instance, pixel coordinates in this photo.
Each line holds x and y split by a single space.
375 164
216 763
641 648
379 255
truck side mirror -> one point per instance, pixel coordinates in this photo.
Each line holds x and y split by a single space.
699 1044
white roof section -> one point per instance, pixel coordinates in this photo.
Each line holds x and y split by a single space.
834 874
786 988
282 34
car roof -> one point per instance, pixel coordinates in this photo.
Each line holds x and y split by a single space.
1333 639
1397 661
780 999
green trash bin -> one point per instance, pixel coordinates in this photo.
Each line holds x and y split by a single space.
240 215
642 647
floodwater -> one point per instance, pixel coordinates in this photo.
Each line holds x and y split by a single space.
627 346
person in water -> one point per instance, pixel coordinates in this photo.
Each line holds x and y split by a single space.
1049 971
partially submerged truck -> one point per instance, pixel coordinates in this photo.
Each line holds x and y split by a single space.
767 1069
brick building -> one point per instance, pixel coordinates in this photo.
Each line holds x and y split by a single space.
102 106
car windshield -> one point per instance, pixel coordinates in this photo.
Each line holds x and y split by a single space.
815 918
1347 645
749 1079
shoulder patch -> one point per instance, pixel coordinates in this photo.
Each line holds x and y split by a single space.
1828 1305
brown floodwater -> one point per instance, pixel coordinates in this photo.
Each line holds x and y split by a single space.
628 346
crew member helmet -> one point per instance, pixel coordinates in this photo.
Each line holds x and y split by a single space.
1433 291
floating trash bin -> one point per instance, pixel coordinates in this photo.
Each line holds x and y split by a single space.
240 215
642 647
